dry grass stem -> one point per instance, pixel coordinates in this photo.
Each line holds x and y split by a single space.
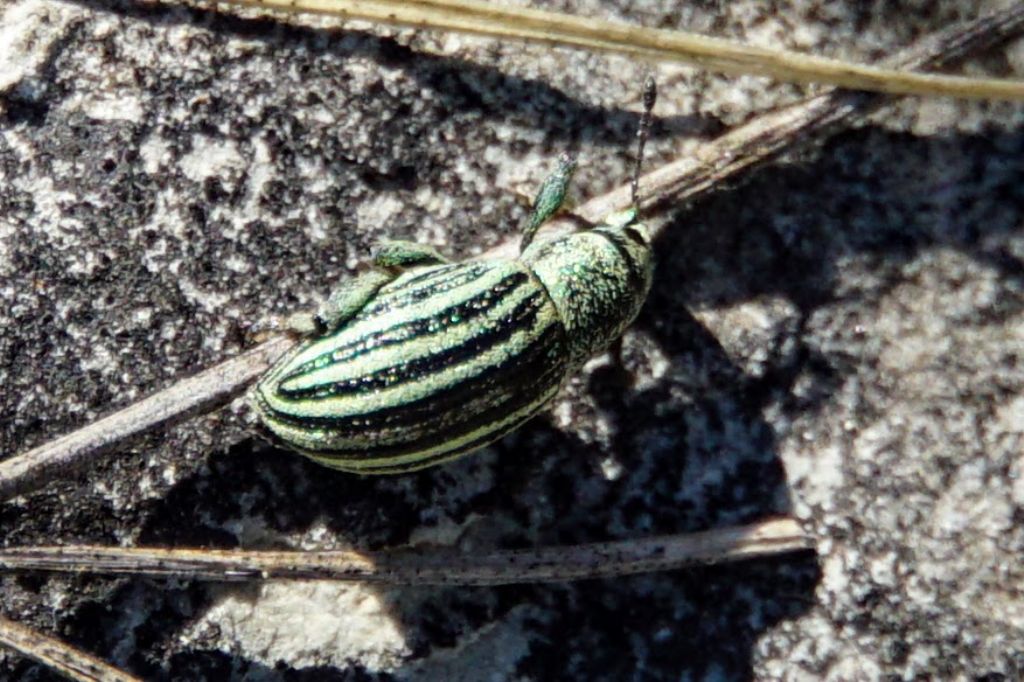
714 54
427 566
58 656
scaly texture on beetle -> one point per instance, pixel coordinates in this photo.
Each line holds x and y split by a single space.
421 361
447 358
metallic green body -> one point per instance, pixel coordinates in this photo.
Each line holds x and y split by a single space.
421 361
447 358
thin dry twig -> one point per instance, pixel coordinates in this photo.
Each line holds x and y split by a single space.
781 131
55 654
714 54
426 567
187 397
757 142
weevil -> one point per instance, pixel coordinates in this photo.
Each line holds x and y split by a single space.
420 360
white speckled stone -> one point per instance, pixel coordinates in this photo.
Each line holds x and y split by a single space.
840 337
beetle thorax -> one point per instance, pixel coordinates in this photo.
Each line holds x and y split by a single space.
597 280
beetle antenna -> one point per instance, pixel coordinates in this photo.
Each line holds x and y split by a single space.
650 95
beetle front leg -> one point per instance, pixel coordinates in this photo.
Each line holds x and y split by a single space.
550 197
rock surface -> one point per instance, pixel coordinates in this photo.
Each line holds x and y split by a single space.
840 338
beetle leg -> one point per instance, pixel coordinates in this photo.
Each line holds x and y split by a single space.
402 254
347 299
549 197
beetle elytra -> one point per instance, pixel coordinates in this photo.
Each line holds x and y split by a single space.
420 361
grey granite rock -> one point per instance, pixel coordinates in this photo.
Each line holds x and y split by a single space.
841 337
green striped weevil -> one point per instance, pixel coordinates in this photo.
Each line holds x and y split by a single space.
802 351
420 361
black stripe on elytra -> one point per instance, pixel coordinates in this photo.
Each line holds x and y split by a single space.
545 354
410 370
436 321
448 431
476 443
480 442
423 286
